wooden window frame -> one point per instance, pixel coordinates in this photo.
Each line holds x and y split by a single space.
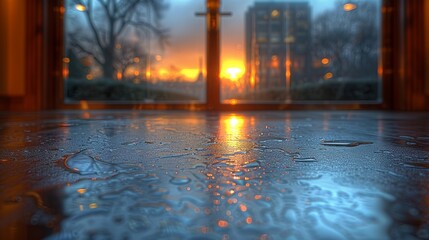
397 55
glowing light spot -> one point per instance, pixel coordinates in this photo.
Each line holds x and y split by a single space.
231 101
275 13
233 73
80 7
66 60
89 77
349 7
119 75
243 207
93 205
325 61
222 223
257 197
249 220
84 105
81 190
328 75
232 200
136 60
234 122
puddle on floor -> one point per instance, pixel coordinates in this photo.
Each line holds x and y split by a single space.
222 177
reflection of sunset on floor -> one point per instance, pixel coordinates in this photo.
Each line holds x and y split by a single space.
233 127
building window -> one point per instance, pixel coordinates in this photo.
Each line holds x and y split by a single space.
300 34
307 33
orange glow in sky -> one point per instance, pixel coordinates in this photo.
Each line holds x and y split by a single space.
190 73
233 73
231 68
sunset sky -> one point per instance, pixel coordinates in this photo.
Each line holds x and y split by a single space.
187 34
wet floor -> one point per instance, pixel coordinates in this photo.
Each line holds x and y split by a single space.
184 175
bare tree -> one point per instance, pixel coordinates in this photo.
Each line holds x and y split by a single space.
110 27
350 39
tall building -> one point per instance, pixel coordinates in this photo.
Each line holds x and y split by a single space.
278 41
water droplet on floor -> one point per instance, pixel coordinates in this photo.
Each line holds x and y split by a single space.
252 164
131 143
343 143
419 165
406 137
83 164
180 180
220 164
199 165
310 159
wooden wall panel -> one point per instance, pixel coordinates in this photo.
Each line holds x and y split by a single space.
426 41
14 22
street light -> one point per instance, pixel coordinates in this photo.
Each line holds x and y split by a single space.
349 6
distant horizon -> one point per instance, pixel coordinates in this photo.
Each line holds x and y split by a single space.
232 33
187 35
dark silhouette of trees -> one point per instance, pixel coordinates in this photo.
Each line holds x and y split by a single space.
77 69
114 32
349 39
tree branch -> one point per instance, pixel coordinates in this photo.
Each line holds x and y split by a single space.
77 44
92 24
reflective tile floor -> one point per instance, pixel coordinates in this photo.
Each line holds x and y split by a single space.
184 175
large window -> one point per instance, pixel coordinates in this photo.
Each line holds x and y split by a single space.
145 51
301 51
272 52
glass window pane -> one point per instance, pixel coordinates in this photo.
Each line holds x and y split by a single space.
300 51
134 51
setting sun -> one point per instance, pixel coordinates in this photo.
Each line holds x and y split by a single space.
233 73
232 69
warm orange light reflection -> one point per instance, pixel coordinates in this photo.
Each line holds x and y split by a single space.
84 105
349 7
325 61
231 101
81 190
80 7
222 223
288 72
119 76
243 207
232 69
328 75
234 126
